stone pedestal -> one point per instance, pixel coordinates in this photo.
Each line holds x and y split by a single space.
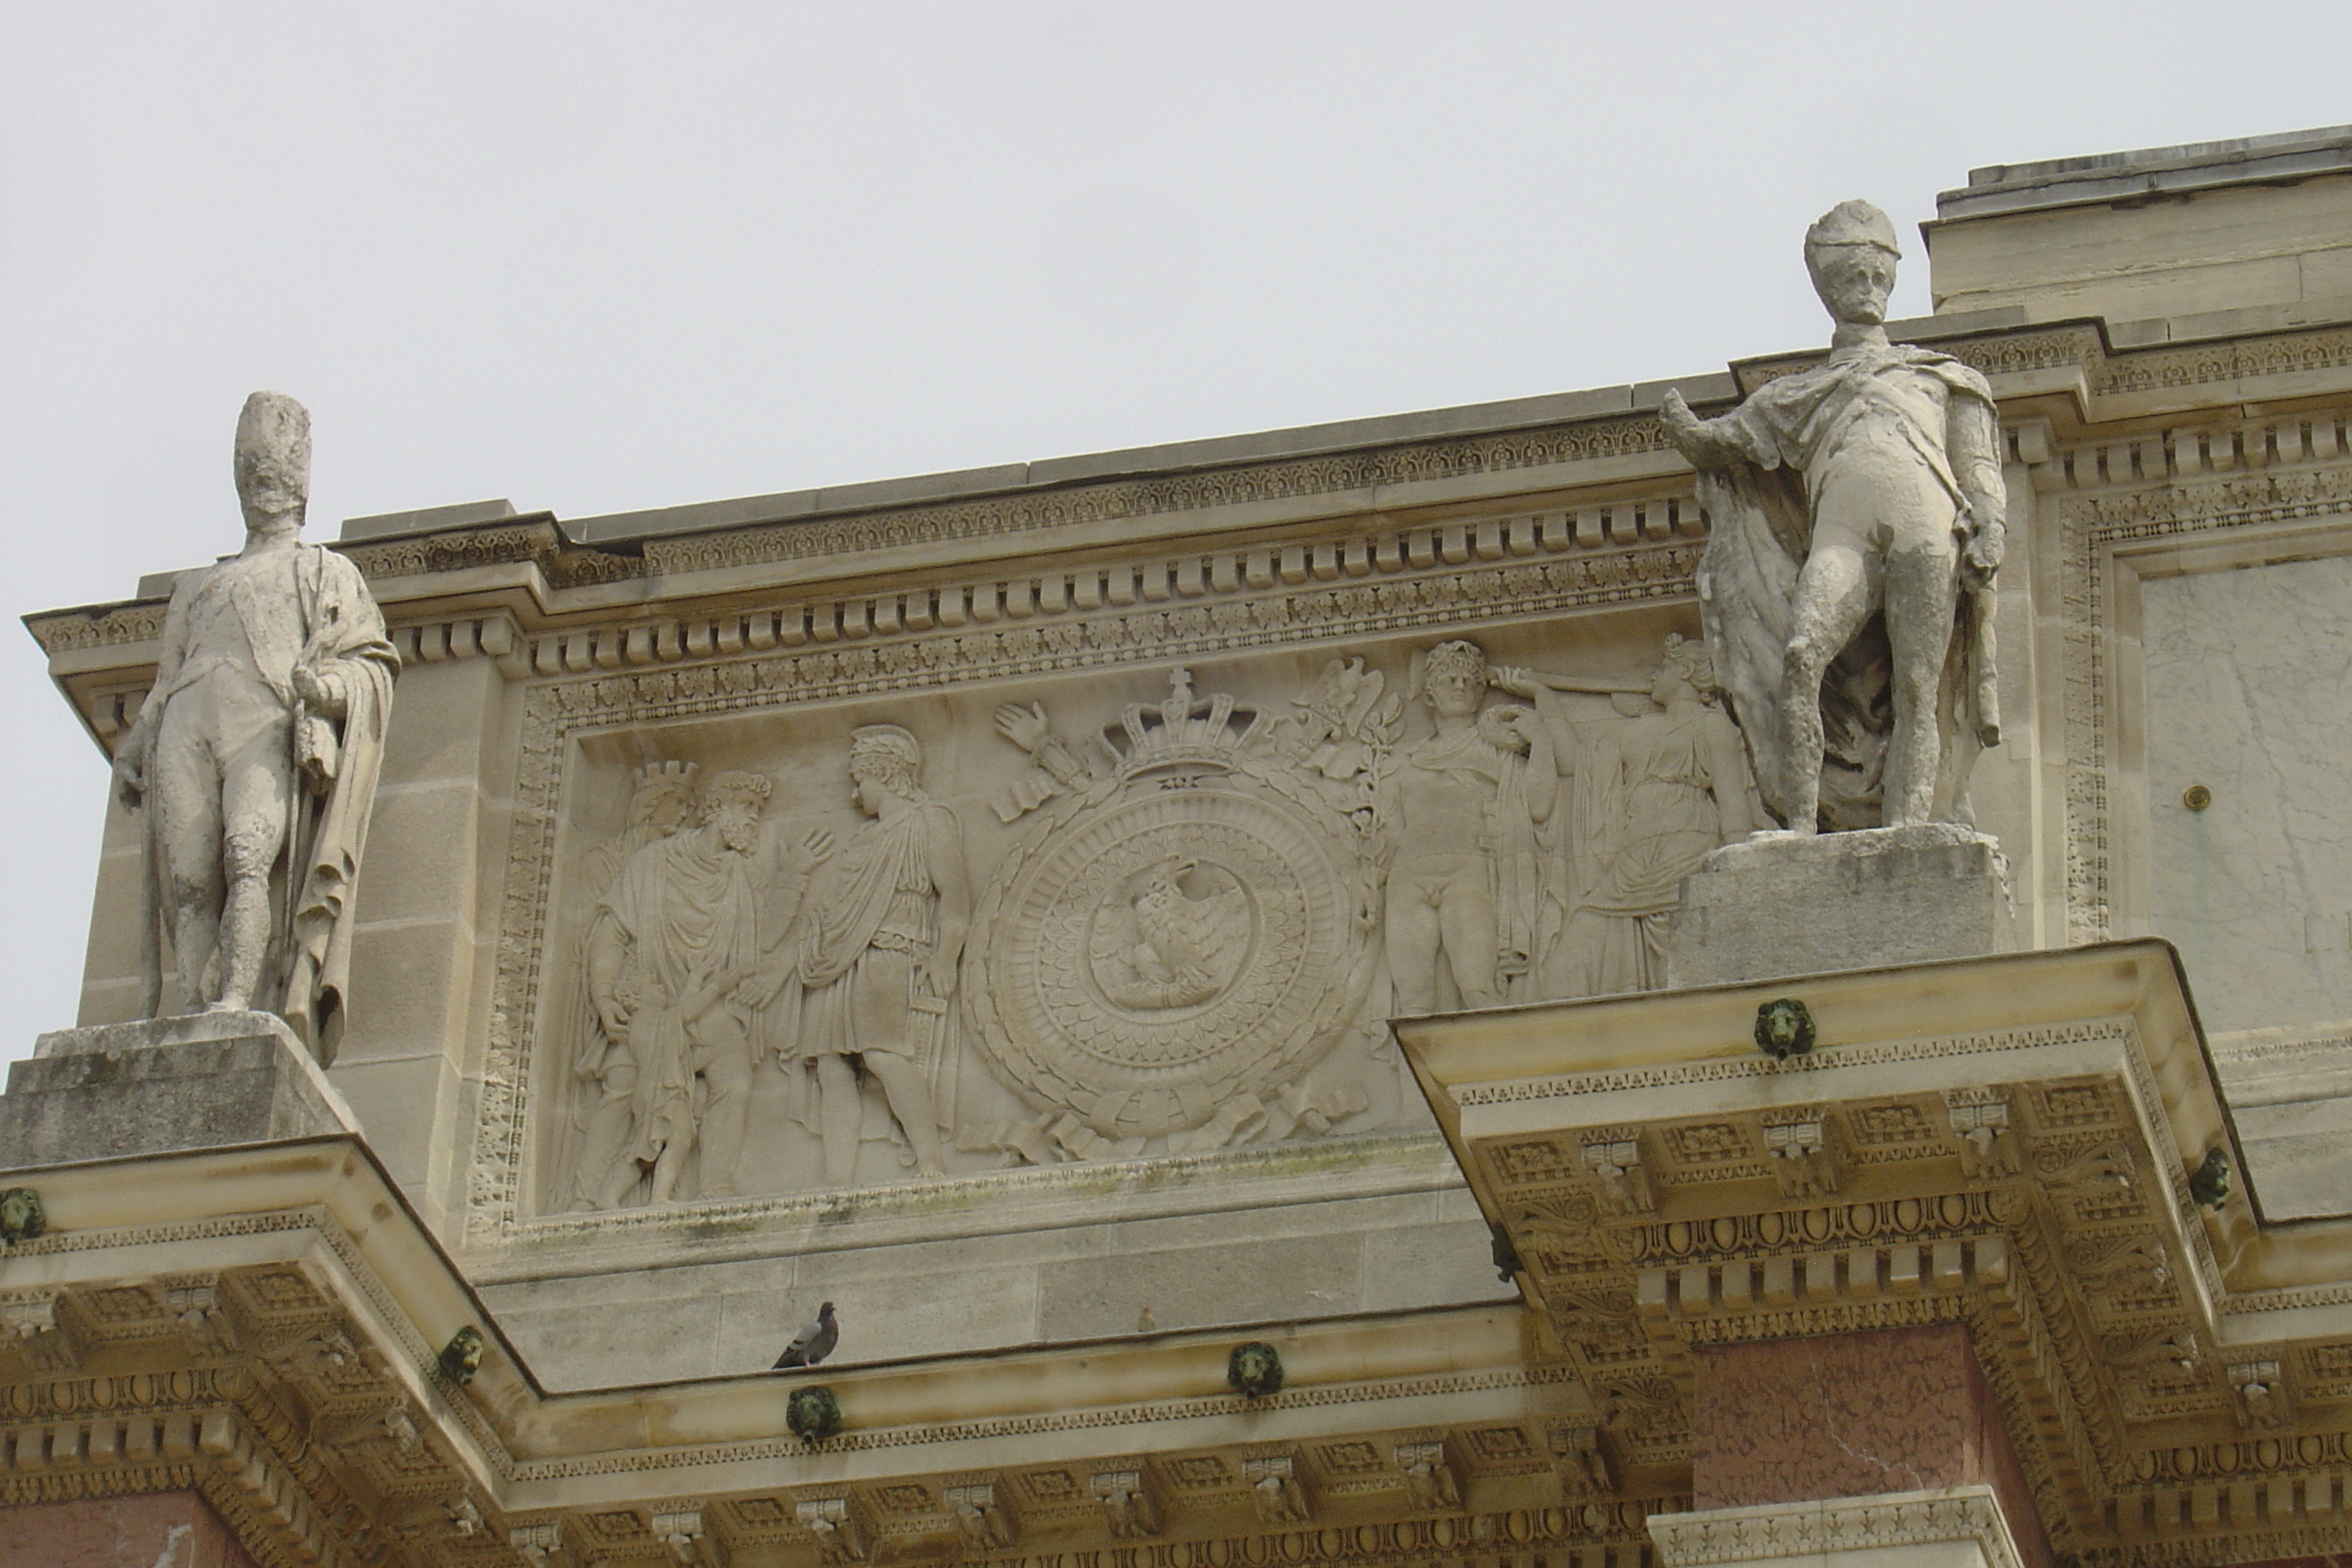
163 1085
1780 904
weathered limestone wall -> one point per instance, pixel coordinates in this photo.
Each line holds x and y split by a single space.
2168 235
411 1062
2253 879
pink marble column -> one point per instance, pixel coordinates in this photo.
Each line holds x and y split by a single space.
156 1529
1890 1410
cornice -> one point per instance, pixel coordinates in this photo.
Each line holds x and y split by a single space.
1814 1530
1665 1186
261 1324
1350 490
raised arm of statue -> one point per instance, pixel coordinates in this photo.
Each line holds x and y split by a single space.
1550 738
1706 443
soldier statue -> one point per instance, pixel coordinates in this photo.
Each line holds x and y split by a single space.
256 757
1847 586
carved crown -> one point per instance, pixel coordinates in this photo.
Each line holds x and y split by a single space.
1184 730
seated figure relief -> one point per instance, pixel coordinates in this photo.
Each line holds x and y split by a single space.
1183 930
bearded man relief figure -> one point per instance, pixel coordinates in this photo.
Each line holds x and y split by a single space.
1848 582
679 967
257 754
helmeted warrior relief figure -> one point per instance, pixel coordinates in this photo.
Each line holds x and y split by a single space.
675 967
878 956
1464 890
255 756
1650 793
663 803
1866 488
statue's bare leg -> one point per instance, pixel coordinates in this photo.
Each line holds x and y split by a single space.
183 791
1835 593
1467 919
839 1115
668 1169
256 793
1922 589
619 1183
885 981
1411 928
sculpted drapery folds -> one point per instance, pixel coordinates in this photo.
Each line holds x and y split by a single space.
1848 581
878 956
676 968
1650 794
662 803
256 754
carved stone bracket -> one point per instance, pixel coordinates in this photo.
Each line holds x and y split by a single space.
1980 1119
1804 1155
1127 1508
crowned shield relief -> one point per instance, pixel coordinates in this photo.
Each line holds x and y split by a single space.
1182 940
807 950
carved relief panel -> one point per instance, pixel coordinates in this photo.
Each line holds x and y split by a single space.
1165 910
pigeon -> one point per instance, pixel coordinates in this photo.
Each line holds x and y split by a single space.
813 1343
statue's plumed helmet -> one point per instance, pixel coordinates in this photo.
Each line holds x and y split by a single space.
273 438
890 754
1853 223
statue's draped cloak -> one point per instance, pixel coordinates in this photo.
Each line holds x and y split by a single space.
335 765
1760 533
884 895
691 915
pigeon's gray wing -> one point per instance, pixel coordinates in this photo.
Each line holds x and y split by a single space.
808 1347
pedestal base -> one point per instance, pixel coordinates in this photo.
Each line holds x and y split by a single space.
1783 904
163 1084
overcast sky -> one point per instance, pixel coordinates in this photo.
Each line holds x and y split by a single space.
601 257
